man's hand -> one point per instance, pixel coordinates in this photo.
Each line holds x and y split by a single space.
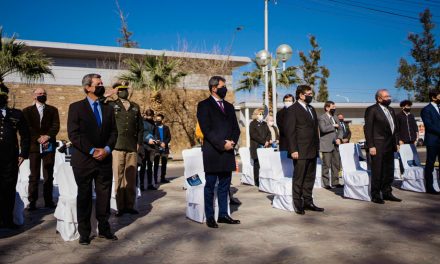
43 139
266 144
401 142
20 161
335 125
295 155
373 151
111 92
100 154
398 147
229 145
162 145
345 140
151 141
338 141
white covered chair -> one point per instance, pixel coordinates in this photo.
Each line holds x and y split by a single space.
247 166
195 199
397 173
362 159
266 175
413 178
318 177
356 179
66 211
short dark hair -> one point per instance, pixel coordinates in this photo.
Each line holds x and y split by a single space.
214 81
288 96
160 115
433 93
302 89
328 104
405 103
149 112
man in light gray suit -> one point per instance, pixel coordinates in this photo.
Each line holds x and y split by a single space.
330 138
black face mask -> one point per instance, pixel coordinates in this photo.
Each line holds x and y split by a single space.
221 92
308 99
386 102
158 123
3 100
407 110
341 120
99 90
123 94
332 111
42 98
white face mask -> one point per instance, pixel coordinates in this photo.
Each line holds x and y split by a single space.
270 123
260 118
287 104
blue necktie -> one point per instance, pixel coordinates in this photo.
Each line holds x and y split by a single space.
96 112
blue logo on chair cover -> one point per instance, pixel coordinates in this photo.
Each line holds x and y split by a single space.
194 180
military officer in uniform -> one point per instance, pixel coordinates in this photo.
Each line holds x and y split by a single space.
11 156
130 131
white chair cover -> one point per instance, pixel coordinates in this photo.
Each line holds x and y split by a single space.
318 177
413 178
356 179
66 211
195 199
397 172
247 166
266 177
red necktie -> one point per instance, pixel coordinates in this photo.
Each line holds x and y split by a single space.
220 103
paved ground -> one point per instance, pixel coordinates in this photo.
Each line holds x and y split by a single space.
347 232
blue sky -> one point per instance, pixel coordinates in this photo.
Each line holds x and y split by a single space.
361 47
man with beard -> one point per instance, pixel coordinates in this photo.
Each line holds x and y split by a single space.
91 128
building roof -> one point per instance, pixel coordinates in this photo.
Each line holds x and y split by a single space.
82 51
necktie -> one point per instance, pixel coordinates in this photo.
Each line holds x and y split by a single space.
343 126
310 112
96 112
220 103
390 119
40 111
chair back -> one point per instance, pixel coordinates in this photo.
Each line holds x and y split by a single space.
409 156
349 157
193 162
66 181
264 156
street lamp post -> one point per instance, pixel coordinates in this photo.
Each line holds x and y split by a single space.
264 59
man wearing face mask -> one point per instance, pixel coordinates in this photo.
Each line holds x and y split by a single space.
12 122
345 129
431 118
220 129
149 151
130 131
260 138
288 102
408 129
301 128
381 134
44 124
91 128
162 135
330 138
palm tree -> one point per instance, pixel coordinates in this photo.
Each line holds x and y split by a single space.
255 78
15 58
155 74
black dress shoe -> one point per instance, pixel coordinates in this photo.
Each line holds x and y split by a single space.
164 181
234 201
227 220
327 187
132 211
142 188
339 186
313 207
432 192
151 187
108 236
120 213
50 205
299 210
210 222
12 226
32 207
391 197
377 200
84 240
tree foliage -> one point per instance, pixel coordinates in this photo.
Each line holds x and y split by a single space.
424 73
125 39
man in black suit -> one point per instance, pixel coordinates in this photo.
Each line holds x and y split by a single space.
431 118
92 130
162 135
11 156
44 124
381 142
301 128
220 129
345 129
288 102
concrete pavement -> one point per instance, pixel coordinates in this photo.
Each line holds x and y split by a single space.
348 231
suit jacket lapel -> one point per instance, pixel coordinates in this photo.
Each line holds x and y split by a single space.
217 106
306 113
89 112
36 116
382 113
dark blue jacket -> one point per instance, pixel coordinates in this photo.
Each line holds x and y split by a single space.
431 120
217 126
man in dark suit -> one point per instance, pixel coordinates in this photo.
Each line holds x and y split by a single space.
431 118
288 102
381 134
11 157
406 122
162 136
220 129
343 125
44 124
92 130
301 128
